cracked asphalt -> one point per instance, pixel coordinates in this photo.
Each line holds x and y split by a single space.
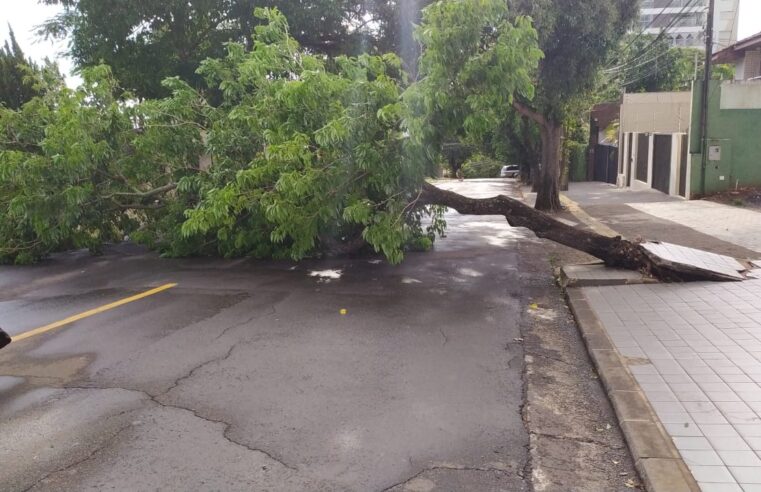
247 376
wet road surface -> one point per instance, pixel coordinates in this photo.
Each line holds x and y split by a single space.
247 376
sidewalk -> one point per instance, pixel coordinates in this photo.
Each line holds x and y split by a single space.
650 214
694 350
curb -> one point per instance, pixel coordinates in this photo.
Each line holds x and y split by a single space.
657 460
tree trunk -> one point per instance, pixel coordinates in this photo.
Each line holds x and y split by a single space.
614 251
548 195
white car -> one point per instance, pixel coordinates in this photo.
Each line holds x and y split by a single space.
510 171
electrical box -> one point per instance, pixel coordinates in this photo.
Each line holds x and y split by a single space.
714 153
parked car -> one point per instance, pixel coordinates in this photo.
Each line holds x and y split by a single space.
510 171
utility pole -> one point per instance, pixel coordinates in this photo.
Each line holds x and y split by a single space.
704 99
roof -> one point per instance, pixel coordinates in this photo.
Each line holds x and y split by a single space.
737 50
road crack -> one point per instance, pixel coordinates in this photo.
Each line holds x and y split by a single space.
443 335
106 443
156 399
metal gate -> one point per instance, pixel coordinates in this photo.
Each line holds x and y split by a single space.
643 154
606 164
662 163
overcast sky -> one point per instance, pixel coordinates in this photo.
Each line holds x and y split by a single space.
24 15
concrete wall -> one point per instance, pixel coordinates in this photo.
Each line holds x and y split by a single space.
734 132
656 112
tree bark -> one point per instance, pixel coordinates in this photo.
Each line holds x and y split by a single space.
614 251
548 195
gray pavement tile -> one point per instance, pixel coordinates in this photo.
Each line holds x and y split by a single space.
719 430
737 378
728 443
678 378
750 387
643 369
723 396
749 430
749 487
733 407
683 429
742 418
699 406
674 417
649 378
746 474
712 474
701 457
667 407
709 386
708 418
691 396
693 444
750 396
754 443
720 487
633 352
659 386
661 396
740 458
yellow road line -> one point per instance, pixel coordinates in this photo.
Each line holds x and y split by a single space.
587 219
91 312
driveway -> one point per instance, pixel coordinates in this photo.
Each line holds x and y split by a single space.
246 375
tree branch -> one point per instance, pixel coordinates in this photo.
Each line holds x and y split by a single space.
146 194
529 113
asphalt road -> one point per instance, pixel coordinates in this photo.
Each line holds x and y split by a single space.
247 375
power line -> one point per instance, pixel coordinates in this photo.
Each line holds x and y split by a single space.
641 54
642 32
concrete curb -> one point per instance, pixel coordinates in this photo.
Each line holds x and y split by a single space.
657 460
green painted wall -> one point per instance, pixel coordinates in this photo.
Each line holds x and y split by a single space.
737 132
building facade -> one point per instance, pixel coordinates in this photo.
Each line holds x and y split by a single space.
734 117
745 55
654 142
685 21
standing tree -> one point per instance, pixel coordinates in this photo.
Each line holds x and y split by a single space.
16 85
146 41
576 37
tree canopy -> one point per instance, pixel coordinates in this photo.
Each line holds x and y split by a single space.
17 74
145 42
577 38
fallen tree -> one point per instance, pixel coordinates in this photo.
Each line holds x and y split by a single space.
301 155
616 252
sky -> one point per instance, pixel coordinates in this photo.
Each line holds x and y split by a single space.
24 15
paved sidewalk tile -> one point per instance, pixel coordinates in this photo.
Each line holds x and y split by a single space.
695 349
732 224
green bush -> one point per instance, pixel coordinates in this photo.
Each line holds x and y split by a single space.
481 166
577 160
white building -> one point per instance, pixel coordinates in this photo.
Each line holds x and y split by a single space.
688 18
